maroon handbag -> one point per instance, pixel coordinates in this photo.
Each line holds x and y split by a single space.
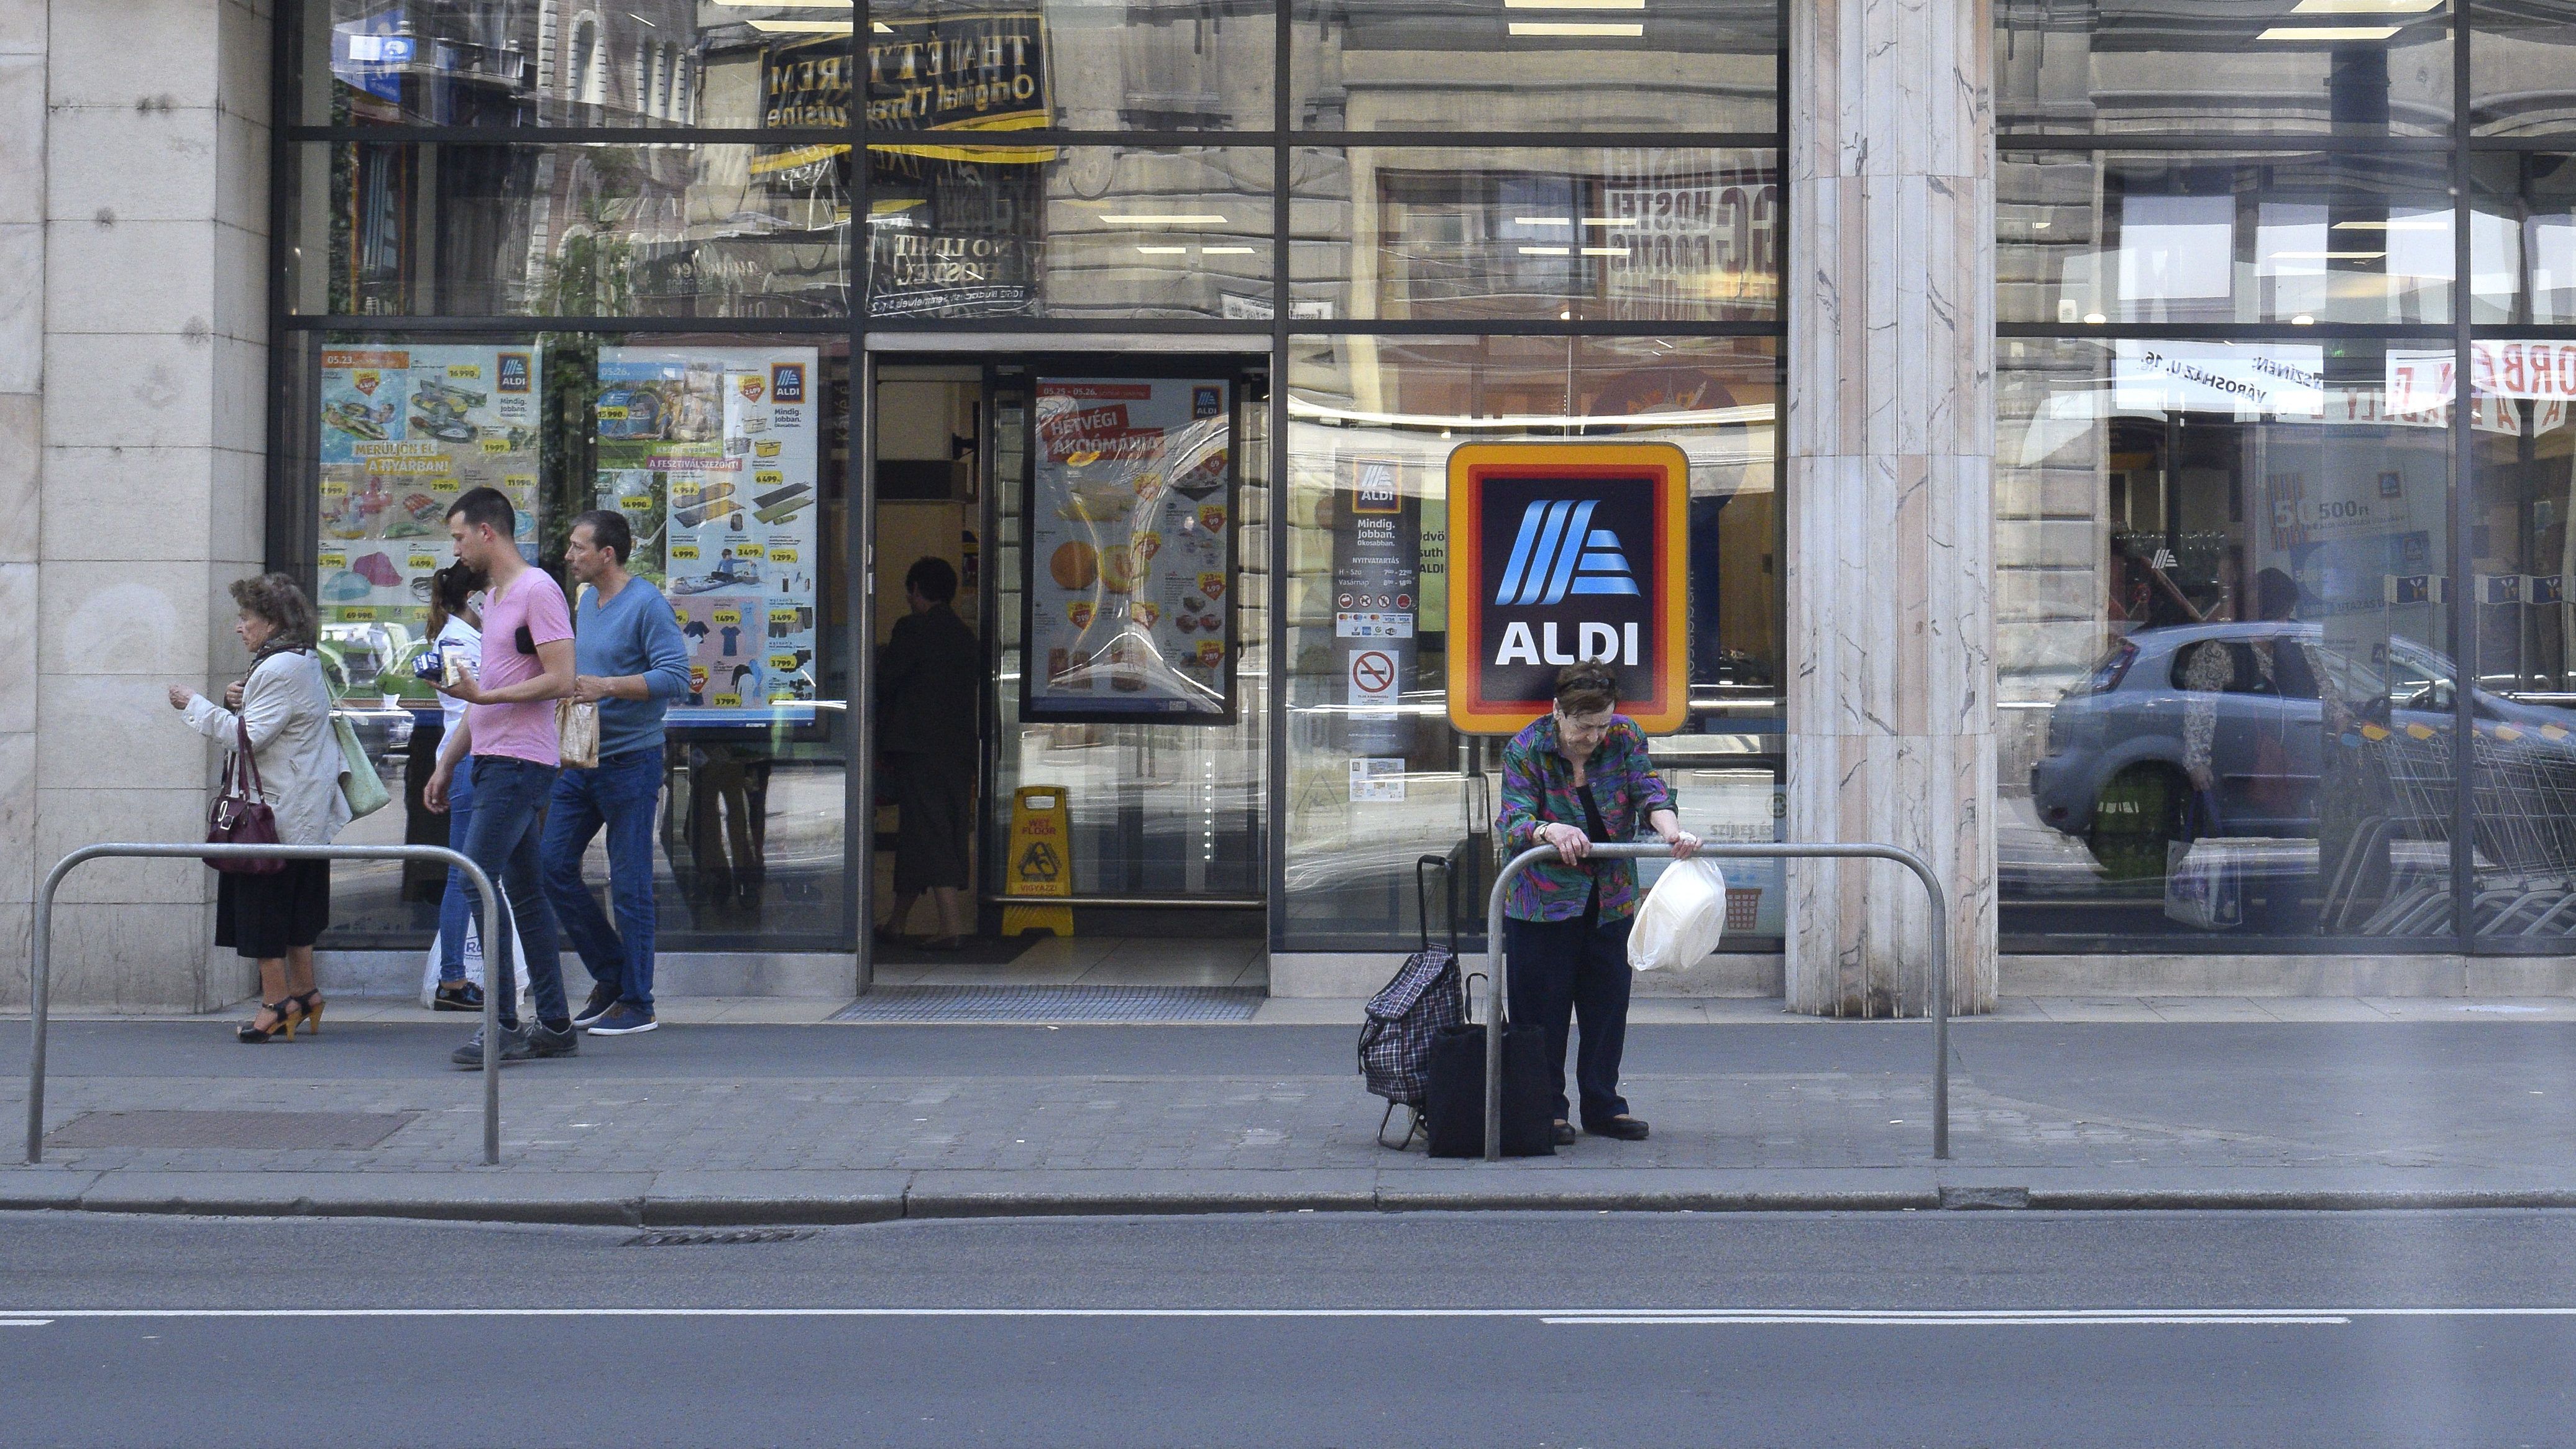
240 816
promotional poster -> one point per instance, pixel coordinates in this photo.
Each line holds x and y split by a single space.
404 431
1130 557
711 453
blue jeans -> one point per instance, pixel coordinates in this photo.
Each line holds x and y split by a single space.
620 794
456 908
509 809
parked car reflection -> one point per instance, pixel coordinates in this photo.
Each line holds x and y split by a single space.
2130 773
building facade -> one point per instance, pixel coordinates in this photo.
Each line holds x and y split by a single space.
2099 481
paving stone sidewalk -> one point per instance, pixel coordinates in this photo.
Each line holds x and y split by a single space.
723 1123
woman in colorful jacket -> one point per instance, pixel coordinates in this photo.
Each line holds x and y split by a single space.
1577 775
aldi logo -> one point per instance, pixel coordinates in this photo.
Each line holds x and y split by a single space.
1563 553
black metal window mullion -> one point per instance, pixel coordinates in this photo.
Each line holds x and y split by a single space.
1275 506
2463 561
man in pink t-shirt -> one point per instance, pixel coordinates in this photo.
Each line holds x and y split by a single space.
509 727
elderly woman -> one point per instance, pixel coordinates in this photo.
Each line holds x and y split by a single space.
1578 775
275 918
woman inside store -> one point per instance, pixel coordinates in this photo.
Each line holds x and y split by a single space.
456 634
1575 776
284 705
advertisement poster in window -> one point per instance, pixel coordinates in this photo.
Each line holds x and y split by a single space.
711 455
1130 559
404 431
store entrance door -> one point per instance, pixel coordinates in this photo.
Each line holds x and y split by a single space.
1106 523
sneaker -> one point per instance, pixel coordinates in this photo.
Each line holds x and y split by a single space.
603 1000
521 1043
514 1047
626 1019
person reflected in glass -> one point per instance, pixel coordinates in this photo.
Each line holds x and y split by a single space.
456 634
930 682
1577 775
284 704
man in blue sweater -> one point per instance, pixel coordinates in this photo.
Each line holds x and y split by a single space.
629 659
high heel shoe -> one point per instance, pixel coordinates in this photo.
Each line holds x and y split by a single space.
310 1005
286 1009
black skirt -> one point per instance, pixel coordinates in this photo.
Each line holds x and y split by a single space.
265 916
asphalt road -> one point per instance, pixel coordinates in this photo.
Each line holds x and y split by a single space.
1562 1330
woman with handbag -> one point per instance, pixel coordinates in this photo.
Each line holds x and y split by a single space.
1576 776
287 763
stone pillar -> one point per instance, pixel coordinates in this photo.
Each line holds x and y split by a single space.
147 274
1889 494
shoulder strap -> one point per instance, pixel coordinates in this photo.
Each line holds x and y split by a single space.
245 761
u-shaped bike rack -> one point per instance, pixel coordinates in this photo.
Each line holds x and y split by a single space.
1497 991
40 953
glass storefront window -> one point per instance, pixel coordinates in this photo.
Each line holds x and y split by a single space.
642 63
2523 728
1155 65
2227 682
1376 782
729 456
2519 56
1439 65
973 232
674 230
2525 230
2165 237
2223 67
1628 235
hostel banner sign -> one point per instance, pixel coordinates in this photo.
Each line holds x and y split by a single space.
1563 552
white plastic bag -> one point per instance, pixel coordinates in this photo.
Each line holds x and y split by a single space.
473 962
1682 919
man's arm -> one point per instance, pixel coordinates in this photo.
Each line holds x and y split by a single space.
554 656
666 666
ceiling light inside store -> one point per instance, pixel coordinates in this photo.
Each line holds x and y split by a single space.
787 4
802 27
1227 251
1165 251
2398 223
1605 251
2094 319
1609 221
2363 7
2324 256
2303 320
1542 221
2328 32
1574 4
1575 27
1178 220
1547 251
2039 226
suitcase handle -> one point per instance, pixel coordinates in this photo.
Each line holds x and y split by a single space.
1422 898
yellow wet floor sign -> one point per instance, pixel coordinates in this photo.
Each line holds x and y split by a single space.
1040 862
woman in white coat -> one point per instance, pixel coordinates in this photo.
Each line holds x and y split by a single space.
275 918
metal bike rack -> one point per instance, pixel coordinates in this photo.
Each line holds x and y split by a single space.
1497 989
40 964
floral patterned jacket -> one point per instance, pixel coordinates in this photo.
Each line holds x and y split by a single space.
1538 789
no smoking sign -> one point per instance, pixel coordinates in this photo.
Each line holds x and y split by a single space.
1373 676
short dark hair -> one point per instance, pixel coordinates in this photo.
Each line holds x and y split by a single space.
1586 688
479 506
608 530
933 579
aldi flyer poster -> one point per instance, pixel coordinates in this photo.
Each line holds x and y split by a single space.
711 453
1130 553
404 431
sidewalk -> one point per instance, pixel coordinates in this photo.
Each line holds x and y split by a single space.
2399 1105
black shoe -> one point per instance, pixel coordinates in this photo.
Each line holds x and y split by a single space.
520 1044
1564 1132
1626 1129
603 1000
514 1047
457 996
565 1041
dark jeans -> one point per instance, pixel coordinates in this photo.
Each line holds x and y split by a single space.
509 809
1576 968
620 794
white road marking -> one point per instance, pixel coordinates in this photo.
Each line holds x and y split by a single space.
1759 1317
24 1322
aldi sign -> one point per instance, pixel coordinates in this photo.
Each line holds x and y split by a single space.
1565 552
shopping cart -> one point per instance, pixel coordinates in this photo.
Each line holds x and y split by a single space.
2523 821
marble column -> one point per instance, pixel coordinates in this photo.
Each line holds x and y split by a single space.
1888 496
141 457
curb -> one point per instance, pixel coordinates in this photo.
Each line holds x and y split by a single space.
637 1202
